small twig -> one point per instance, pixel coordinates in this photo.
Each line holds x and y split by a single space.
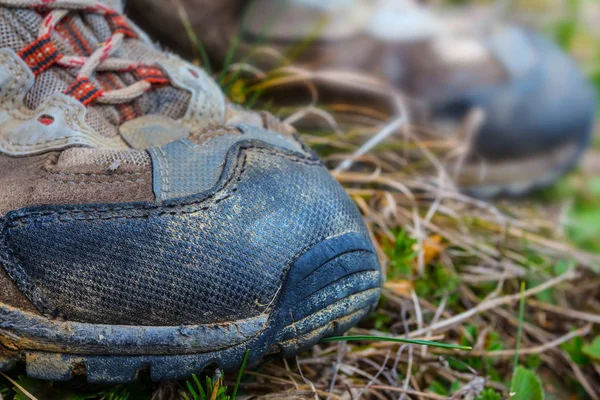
597 369
581 377
406 391
21 388
306 381
417 308
374 141
408 370
583 331
490 304
520 327
360 372
289 373
312 110
565 312
340 357
387 357
436 317
472 389
473 123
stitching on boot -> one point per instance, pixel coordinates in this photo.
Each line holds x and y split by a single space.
24 218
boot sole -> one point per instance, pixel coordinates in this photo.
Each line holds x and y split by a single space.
518 177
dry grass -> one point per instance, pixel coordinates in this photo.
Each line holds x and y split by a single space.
463 284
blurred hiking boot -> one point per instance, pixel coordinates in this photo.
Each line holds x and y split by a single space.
145 224
538 109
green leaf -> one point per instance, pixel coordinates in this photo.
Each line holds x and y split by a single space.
545 296
526 385
575 349
593 350
490 394
533 361
190 388
454 387
33 386
594 186
585 229
438 388
562 267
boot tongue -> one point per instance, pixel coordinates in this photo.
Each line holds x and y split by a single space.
79 34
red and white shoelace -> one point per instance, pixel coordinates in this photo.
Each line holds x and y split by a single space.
42 54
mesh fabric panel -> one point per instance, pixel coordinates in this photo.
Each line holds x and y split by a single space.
182 168
12 33
220 259
75 157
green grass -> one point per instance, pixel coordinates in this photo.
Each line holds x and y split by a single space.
372 338
582 195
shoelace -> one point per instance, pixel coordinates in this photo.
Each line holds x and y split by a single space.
42 54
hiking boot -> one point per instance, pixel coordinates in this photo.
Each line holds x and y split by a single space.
536 110
146 224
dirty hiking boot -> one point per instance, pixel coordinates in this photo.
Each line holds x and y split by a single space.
538 110
145 224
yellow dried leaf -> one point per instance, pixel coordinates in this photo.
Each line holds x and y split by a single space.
432 248
401 287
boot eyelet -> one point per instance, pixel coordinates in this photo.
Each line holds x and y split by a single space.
46 119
